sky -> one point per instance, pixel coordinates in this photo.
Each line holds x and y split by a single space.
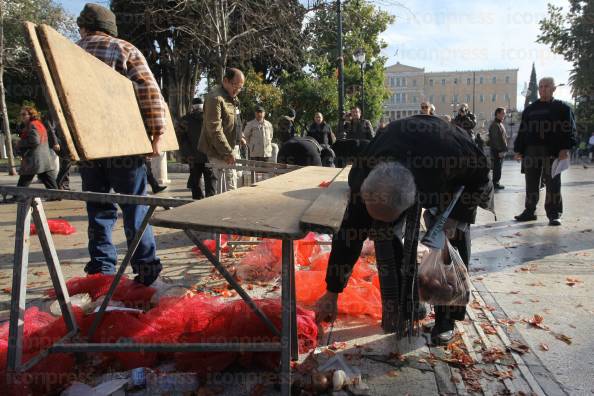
448 35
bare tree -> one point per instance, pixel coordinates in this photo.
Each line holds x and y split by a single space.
184 39
5 122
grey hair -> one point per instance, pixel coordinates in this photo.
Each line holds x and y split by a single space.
547 79
393 184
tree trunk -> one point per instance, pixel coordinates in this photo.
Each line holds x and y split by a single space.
5 121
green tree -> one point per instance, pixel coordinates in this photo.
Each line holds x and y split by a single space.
362 26
309 93
570 34
257 92
532 92
185 40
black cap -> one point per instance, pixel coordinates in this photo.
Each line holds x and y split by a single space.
259 109
290 112
98 18
196 101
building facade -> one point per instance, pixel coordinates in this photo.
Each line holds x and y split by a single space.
482 90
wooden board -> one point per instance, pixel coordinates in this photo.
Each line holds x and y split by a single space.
99 103
272 208
326 213
49 90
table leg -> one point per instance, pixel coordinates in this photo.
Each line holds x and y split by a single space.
287 315
19 287
294 338
53 264
121 270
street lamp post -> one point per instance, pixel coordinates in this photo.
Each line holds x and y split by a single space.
359 57
340 67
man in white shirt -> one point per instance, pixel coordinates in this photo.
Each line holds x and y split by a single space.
258 136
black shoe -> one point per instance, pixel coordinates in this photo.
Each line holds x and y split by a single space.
554 222
158 189
525 216
498 187
443 332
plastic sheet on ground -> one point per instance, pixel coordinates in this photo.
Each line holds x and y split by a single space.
360 298
56 226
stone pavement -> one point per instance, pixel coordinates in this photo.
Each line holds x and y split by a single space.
521 272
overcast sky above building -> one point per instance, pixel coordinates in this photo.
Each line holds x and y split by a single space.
447 35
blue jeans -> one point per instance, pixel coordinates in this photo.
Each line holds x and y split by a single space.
125 175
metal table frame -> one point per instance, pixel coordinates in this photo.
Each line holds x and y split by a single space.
29 206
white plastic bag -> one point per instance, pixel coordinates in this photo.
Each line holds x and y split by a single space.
443 278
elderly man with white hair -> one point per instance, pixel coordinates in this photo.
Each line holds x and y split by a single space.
547 132
418 162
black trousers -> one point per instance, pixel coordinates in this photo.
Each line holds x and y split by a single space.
150 178
496 164
461 241
63 178
537 168
46 178
198 170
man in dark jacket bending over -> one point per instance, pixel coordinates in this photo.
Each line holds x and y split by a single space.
418 158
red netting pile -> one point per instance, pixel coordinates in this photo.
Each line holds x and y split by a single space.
40 331
129 292
198 318
56 226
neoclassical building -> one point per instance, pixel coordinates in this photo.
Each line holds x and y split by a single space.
483 90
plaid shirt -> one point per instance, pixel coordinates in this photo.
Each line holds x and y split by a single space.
129 61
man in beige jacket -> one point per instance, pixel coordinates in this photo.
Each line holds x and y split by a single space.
258 135
221 129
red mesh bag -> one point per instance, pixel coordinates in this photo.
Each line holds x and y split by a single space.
118 325
305 249
263 263
51 374
129 292
211 245
235 322
56 226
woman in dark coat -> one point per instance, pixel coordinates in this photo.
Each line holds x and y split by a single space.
34 150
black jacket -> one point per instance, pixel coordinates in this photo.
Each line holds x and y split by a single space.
302 151
361 129
441 158
188 131
550 124
322 133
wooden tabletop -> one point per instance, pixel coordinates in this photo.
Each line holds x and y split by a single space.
272 208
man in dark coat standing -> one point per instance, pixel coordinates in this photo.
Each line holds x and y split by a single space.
321 131
547 133
358 127
188 132
418 161
498 145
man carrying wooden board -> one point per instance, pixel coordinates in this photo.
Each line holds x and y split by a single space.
125 175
